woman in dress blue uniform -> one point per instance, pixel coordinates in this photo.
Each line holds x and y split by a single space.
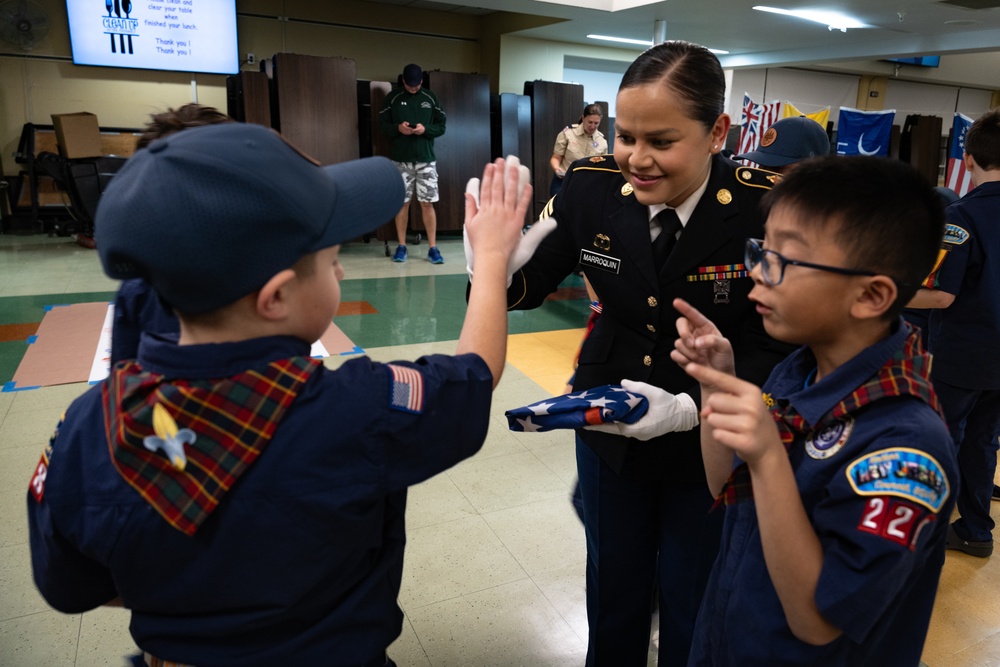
646 504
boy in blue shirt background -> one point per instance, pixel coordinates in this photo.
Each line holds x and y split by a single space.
964 332
839 484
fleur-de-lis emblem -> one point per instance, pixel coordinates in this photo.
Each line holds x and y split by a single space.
169 439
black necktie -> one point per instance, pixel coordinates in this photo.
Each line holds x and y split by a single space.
670 224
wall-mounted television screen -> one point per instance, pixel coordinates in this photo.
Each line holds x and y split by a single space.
923 61
174 35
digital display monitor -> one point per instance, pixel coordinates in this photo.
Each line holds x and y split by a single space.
922 61
172 35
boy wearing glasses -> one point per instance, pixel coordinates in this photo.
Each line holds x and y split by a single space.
838 485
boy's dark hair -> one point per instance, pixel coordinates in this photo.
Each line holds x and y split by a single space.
886 217
175 120
982 141
689 70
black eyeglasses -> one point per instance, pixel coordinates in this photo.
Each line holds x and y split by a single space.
772 264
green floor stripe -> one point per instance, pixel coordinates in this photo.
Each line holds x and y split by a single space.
413 309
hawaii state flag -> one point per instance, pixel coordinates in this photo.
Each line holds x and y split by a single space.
864 132
754 121
958 178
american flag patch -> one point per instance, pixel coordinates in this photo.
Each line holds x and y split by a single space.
406 389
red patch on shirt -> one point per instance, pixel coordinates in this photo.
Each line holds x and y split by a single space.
37 485
894 519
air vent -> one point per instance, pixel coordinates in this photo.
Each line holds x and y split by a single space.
973 4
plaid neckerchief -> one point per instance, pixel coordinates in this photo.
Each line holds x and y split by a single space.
230 421
907 373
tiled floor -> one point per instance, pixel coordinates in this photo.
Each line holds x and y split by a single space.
494 572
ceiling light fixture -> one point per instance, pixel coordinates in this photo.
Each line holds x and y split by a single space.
832 20
640 42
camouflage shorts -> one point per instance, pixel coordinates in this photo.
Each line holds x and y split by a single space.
422 176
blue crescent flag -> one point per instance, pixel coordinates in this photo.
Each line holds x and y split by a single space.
864 132
600 405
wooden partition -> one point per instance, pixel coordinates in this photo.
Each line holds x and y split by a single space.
371 95
511 125
464 149
248 98
920 145
553 106
314 104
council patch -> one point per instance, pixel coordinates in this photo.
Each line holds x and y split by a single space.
955 235
901 472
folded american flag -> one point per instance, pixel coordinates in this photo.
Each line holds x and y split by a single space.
600 405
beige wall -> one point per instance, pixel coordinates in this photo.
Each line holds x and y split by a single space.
969 70
535 60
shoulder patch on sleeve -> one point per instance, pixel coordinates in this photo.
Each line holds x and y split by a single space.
406 389
895 520
955 235
37 485
757 178
903 473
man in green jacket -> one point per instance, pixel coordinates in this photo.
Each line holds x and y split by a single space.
412 118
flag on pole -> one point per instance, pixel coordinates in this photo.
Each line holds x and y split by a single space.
754 121
864 132
958 178
788 110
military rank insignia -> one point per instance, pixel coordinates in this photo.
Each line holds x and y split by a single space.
757 178
598 158
720 292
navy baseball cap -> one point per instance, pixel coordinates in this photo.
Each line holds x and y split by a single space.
210 214
413 75
789 140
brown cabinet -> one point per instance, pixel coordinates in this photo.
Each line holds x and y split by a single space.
554 105
314 104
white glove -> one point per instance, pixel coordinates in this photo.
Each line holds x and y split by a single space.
529 240
667 413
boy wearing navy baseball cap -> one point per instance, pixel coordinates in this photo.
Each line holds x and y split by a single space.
788 141
242 500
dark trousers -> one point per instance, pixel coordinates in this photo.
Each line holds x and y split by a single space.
974 421
636 530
